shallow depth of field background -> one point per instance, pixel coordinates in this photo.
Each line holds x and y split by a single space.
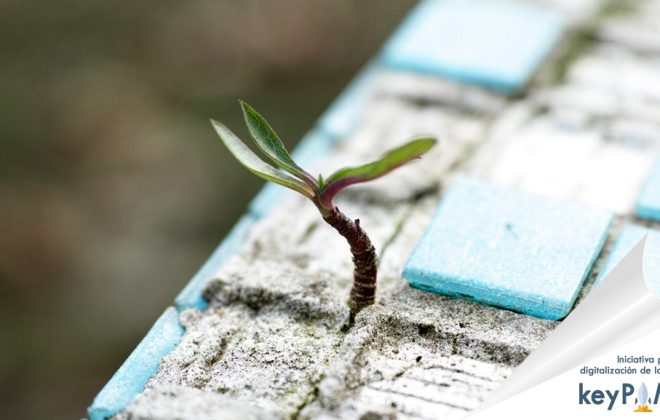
113 186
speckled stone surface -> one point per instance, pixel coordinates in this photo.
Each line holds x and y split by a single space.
494 43
508 248
628 237
164 402
648 203
284 354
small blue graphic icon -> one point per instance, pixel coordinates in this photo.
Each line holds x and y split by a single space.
643 400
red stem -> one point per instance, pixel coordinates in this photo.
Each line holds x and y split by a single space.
363 292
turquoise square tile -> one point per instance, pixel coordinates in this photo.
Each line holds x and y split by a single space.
648 202
269 196
493 43
142 364
508 248
630 236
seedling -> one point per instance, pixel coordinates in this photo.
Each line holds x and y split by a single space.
321 191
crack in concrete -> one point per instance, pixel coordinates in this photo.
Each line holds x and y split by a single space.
419 195
428 400
311 397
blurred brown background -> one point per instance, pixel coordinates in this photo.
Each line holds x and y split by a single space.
113 187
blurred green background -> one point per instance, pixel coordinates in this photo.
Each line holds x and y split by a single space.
113 186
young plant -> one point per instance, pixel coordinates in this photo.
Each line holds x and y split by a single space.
321 191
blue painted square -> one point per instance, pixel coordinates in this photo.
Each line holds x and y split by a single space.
630 236
269 196
493 43
508 248
648 202
140 365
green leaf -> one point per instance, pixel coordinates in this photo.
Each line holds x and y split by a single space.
255 165
387 163
271 145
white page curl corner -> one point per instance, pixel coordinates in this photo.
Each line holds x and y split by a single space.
618 311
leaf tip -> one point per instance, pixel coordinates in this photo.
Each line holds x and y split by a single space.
429 141
425 144
217 125
245 107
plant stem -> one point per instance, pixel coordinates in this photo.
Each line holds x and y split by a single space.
363 292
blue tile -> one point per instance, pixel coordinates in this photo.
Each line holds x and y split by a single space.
191 295
508 248
630 236
141 365
343 115
266 199
648 202
313 146
493 43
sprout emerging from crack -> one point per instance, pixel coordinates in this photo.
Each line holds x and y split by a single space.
321 191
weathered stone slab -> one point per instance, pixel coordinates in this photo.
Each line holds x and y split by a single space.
575 12
165 402
546 156
287 285
310 245
417 354
609 82
261 356
422 88
634 27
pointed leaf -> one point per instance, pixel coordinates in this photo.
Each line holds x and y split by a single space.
387 163
255 165
270 144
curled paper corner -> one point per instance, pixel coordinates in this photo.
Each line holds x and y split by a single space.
620 310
